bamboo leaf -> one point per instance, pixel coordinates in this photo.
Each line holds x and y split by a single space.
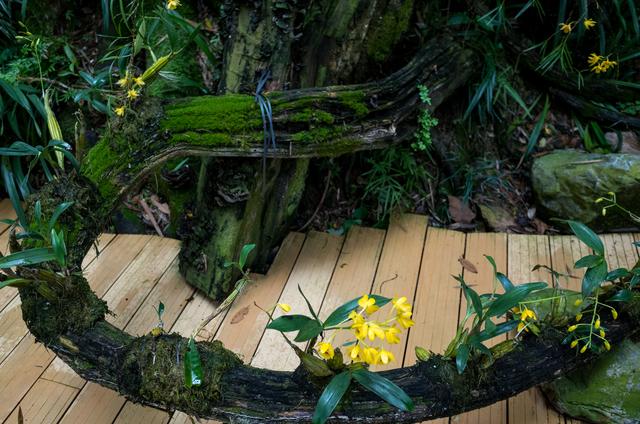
287 323
593 278
59 211
342 313
587 236
244 254
28 257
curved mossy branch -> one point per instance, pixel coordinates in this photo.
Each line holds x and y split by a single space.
149 370
313 122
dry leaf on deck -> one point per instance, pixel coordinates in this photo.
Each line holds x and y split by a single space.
459 211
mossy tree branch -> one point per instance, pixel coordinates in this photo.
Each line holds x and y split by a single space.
315 122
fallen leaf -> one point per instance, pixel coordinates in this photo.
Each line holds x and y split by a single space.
459 211
541 227
239 316
466 264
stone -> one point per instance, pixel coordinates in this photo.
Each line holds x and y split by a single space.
566 184
606 391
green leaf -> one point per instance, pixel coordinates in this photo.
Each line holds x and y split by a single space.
288 323
489 333
313 313
59 246
623 295
507 285
512 298
341 314
15 282
28 257
593 278
244 254
331 396
59 211
589 261
462 357
384 388
313 364
192 365
587 236
618 273
10 187
309 331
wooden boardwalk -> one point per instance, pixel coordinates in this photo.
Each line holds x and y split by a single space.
133 273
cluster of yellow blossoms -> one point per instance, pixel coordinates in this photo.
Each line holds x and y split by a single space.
567 27
600 64
527 316
367 331
133 85
173 4
594 331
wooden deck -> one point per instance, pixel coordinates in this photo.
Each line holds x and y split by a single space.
135 272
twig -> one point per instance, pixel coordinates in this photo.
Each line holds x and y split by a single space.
148 212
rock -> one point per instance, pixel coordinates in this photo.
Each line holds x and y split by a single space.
566 184
607 391
630 142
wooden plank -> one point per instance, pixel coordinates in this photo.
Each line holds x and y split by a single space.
8 293
437 298
312 272
244 317
19 371
12 328
44 409
478 245
524 252
6 212
102 243
565 251
354 274
134 413
399 267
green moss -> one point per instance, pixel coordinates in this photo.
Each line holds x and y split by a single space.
388 30
153 369
356 101
100 161
312 116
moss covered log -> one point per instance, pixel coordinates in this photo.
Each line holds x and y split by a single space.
149 369
315 122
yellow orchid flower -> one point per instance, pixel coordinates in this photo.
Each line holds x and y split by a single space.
589 23
285 307
132 94
566 28
173 4
392 335
120 110
325 349
368 304
386 356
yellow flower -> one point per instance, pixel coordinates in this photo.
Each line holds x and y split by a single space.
405 320
120 110
371 355
355 353
132 94
602 333
368 304
392 335
579 317
401 304
139 81
325 350
375 331
157 331
607 345
614 313
361 330
285 307
386 356
597 324
578 302
574 343
522 326
572 328
527 314
173 4
566 28
584 349
124 81
589 23
356 317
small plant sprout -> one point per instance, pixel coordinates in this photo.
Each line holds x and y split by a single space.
366 337
159 329
611 202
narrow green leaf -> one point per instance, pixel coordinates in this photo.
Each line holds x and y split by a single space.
10 187
589 261
59 211
623 295
288 323
342 313
593 278
28 257
618 273
15 282
462 357
244 254
384 388
311 310
331 396
192 365
587 236
506 283
512 298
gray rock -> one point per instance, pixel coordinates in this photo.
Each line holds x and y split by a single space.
566 184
